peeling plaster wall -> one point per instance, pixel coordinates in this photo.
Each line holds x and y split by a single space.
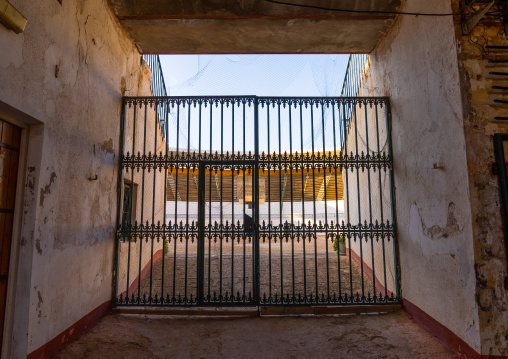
489 240
416 65
68 70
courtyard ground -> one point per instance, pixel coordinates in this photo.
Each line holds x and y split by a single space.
389 335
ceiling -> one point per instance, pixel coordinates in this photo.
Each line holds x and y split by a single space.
253 26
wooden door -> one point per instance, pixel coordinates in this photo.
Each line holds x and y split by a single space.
10 138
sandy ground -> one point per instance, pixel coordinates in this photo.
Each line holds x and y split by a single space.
392 335
228 269
232 281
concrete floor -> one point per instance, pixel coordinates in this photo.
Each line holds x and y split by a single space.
392 335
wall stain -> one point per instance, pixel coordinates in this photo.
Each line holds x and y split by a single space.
38 246
30 181
30 184
46 189
123 86
107 146
451 228
40 299
39 314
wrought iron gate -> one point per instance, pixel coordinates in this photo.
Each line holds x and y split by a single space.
251 200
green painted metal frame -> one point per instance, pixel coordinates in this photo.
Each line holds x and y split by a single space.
259 162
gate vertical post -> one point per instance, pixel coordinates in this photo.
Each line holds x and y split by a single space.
255 178
392 198
201 234
119 192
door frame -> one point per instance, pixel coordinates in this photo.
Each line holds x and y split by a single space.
17 307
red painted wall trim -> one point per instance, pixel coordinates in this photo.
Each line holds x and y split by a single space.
448 338
48 350
134 285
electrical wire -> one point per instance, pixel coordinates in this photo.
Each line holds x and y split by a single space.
359 11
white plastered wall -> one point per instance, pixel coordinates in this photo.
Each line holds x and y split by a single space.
416 65
68 70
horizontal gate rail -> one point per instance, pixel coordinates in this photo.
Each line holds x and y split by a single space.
286 162
245 200
286 230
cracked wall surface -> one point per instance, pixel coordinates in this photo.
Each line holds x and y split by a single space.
479 125
68 70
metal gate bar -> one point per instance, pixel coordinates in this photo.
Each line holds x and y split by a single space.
263 222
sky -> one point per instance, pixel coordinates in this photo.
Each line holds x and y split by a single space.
260 75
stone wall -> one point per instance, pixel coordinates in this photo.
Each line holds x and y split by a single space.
486 204
63 80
